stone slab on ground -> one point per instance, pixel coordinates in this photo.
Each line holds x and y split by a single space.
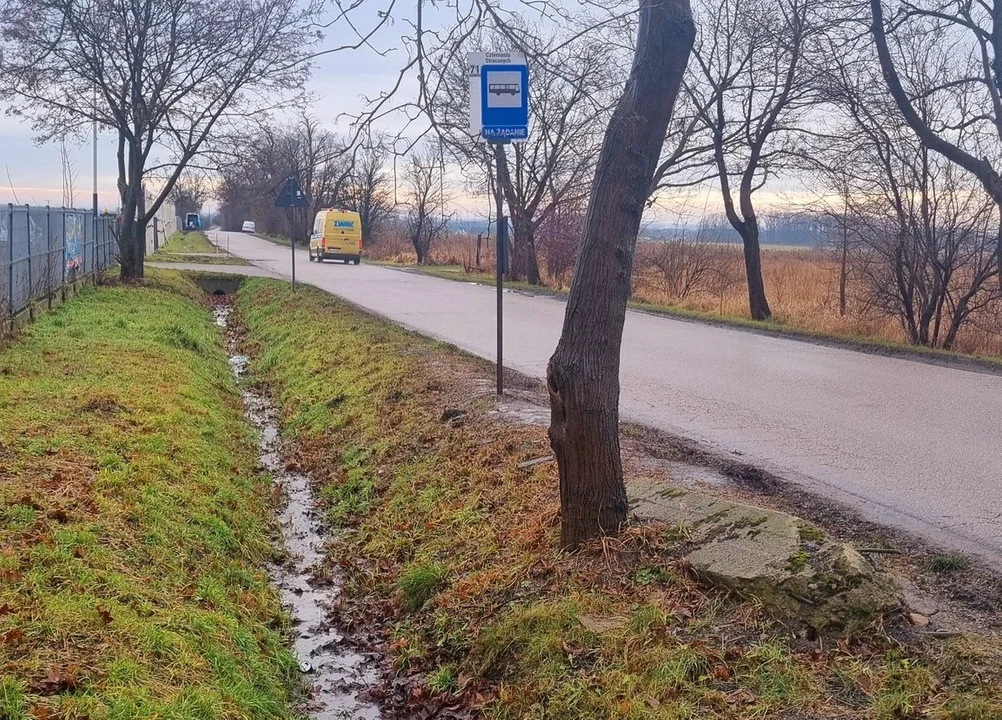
792 568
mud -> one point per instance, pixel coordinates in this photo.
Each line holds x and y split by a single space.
336 674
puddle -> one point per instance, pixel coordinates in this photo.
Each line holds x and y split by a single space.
336 673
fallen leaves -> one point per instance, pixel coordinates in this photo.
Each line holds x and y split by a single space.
12 636
58 680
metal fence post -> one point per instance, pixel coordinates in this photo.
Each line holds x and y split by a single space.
10 261
62 254
48 251
31 279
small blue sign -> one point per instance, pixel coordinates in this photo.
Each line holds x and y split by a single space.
504 102
344 223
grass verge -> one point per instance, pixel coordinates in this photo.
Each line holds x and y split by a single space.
133 522
194 247
450 550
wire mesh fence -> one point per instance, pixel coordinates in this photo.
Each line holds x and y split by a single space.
43 248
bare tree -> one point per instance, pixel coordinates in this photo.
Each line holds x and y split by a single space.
367 190
583 374
922 242
749 86
426 216
323 164
929 249
679 267
69 172
160 75
968 35
189 194
255 166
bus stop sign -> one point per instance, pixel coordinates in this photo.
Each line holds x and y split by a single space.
501 96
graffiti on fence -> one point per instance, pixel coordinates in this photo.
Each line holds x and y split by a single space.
74 238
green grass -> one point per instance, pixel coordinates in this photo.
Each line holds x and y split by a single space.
948 563
420 582
191 247
452 550
133 523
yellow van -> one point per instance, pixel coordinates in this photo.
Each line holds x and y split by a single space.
337 235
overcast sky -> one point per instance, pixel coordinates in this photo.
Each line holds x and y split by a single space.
338 83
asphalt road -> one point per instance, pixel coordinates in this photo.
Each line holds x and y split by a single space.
909 443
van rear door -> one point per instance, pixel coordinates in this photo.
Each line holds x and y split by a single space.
343 233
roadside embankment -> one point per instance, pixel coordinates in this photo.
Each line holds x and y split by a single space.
449 517
134 523
194 247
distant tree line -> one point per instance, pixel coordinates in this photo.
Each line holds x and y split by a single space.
254 166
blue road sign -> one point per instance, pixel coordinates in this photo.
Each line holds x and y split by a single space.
504 102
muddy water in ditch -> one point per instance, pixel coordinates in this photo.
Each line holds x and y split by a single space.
335 673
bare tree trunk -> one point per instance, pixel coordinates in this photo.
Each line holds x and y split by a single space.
843 276
523 260
529 252
130 241
523 263
758 305
583 374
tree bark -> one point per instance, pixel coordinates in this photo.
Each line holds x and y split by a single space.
758 305
523 261
130 243
583 374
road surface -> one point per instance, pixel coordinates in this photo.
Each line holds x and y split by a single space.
907 443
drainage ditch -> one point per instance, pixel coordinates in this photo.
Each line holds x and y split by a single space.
335 673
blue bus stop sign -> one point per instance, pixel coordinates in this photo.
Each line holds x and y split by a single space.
504 102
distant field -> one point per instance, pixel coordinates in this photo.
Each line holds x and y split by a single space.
802 286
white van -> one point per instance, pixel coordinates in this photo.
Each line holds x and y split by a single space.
248 226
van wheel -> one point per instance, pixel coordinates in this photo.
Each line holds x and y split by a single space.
357 261
311 255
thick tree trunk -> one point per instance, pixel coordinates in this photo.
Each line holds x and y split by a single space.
583 374
758 305
843 276
523 261
131 242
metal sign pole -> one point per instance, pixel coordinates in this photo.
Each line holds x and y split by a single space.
499 113
501 248
292 197
292 244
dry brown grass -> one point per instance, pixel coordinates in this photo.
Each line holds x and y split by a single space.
802 285
450 556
